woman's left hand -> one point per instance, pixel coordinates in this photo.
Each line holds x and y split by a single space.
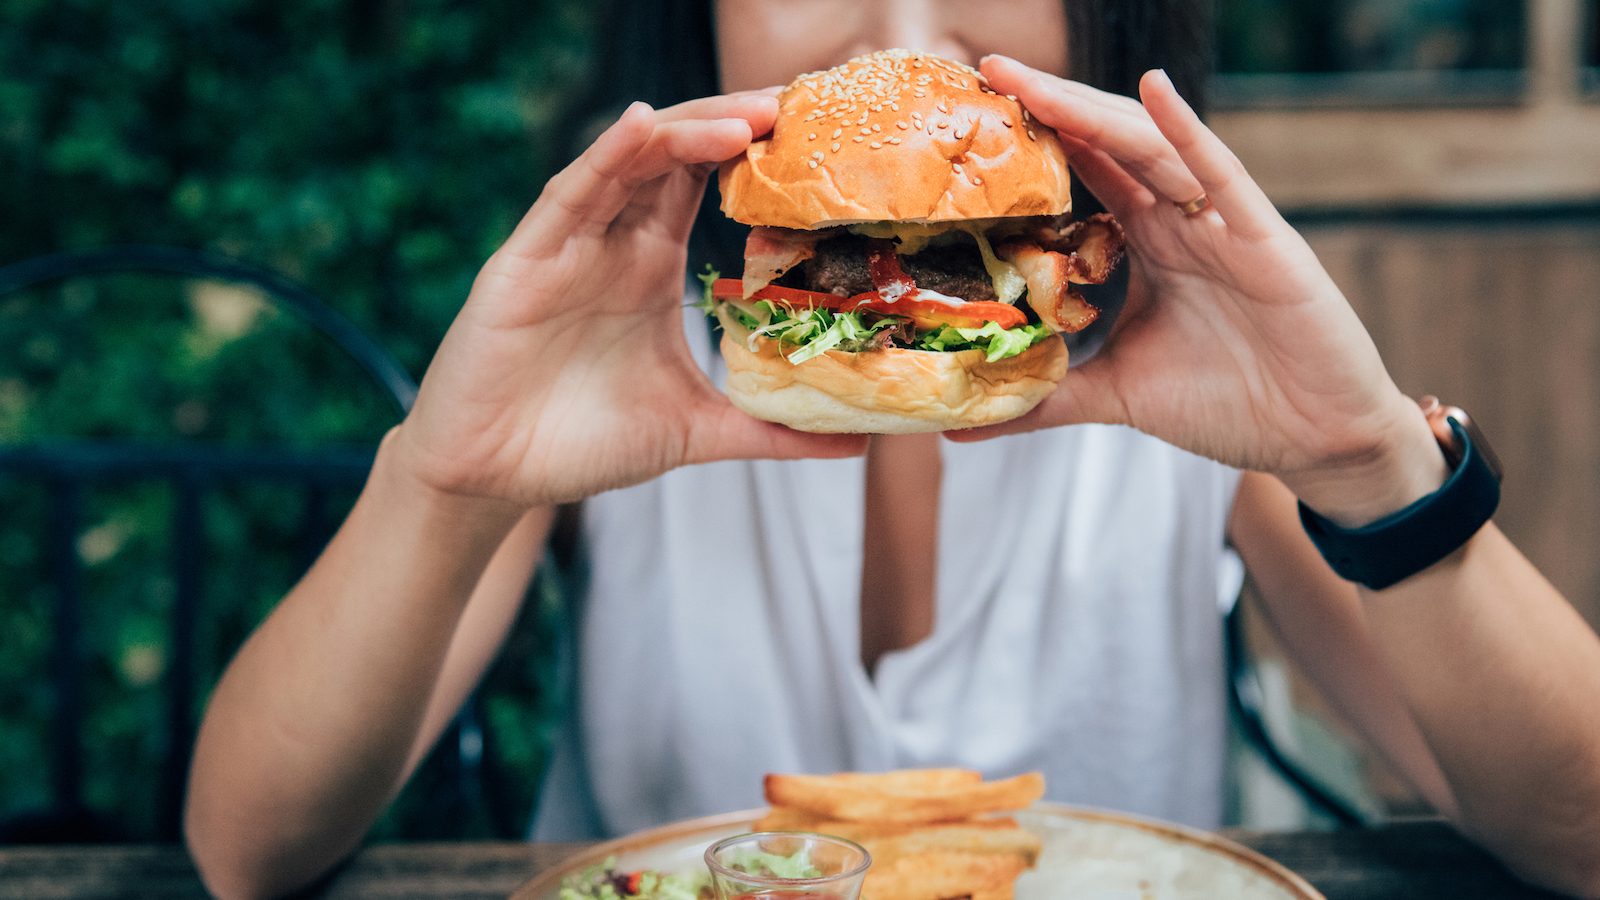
1235 343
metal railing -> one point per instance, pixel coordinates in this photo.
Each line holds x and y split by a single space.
69 469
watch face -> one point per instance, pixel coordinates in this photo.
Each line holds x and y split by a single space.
1440 418
1479 442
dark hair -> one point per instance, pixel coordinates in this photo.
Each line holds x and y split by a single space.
665 52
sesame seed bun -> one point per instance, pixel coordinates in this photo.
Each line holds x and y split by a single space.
896 136
891 391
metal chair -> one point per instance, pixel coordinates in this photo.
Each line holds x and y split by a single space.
69 468
1245 702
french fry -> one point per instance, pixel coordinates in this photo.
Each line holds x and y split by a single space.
979 838
787 818
829 797
934 876
914 781
931 832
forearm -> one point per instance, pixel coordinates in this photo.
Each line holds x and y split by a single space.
1499 672
307 735
1503 678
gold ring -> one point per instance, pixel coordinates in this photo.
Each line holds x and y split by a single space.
1194 207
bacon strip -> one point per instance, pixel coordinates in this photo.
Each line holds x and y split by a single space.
1084 252
770 252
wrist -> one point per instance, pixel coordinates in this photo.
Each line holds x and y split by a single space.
442 511
1404 466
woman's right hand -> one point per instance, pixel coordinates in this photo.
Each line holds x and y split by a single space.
567 372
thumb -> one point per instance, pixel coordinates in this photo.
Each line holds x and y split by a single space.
1085 395
721 431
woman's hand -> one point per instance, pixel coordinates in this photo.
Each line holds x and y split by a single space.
566 372
1234 343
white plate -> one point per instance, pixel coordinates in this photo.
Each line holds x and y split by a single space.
1088 855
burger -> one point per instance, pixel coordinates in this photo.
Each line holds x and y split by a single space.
911 262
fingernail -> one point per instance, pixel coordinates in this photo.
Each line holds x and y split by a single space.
997 57
1164 78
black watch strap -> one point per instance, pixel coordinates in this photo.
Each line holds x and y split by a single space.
1404 543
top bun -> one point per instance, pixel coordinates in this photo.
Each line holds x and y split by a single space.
896 136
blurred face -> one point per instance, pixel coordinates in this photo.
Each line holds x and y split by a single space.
768 42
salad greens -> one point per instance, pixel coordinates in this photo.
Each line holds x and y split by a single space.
757 862
812 332
605 882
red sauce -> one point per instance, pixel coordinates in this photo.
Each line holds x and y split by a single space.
883 265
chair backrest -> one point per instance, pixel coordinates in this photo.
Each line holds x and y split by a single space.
68 469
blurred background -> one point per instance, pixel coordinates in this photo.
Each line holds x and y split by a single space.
1439 154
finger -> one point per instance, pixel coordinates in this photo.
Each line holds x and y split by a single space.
677 164
577 198
1085 395
723 432
1123 195
1234 194
588 196
1129 137
758 108
669 204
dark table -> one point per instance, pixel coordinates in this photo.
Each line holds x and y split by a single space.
1416 860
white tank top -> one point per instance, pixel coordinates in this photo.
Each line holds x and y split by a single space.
1077 632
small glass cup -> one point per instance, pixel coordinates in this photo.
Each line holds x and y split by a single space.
742 867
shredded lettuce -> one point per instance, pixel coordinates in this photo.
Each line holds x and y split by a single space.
813 332
772 865
710 275
996 342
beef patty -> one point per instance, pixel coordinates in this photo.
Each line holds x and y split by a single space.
840 267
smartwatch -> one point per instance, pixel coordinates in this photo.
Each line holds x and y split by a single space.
1401 544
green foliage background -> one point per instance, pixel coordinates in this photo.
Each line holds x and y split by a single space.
376 150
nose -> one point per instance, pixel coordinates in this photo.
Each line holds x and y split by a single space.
917 25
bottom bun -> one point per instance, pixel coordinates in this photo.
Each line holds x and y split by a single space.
892 391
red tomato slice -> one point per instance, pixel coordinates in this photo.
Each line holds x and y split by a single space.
927 314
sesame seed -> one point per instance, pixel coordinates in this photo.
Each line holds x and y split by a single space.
875 145
894 140
1012 97
1006 122
858 139
812 136
876 127
942 108
816 154
977 180
944 124
920 92
835 147
812 163
956 167
901 125
837 132
865 130
1030 135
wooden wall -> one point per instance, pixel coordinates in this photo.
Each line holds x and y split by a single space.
1502 317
